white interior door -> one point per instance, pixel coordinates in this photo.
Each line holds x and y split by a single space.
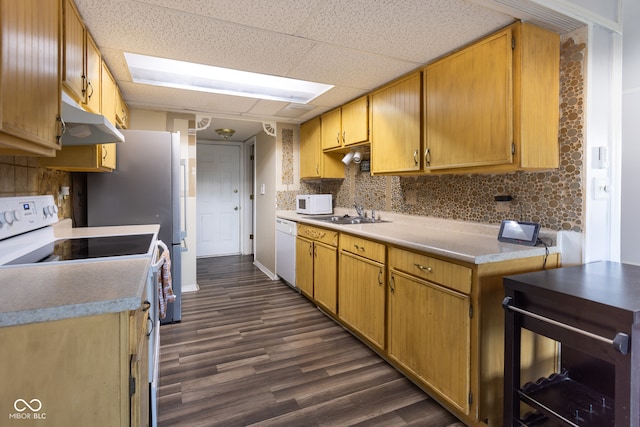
218 200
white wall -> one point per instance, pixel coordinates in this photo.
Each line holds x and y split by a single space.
265 204
630 207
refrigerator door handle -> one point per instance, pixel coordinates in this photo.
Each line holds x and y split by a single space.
183 232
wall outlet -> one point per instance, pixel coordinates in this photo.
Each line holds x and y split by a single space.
411 197
503 206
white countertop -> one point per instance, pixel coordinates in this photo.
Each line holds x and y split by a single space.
470 242
44 292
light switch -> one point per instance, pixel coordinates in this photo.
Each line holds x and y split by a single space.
262 188
600 188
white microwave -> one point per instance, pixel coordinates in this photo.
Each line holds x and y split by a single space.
314 204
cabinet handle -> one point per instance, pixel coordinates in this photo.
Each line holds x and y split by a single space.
427 157
380 277
89 85
63 128
150 326
146 306
338 137
415 157
423 268
344 136
104 152
392 284
359 248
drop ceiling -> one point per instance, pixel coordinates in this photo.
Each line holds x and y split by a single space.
356 45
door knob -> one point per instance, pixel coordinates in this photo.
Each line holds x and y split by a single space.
235 209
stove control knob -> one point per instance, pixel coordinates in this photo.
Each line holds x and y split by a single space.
17 215
6 217
45 211
53 209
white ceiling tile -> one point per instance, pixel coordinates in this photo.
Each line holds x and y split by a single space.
414 30
327 64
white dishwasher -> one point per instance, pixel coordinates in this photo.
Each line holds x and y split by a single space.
286 250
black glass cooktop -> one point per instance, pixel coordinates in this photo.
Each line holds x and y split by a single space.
87 248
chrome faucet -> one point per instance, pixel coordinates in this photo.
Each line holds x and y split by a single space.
359 210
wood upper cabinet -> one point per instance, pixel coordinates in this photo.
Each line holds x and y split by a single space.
396 117
122 111
73 52
494 106
93 92
347 125
109 92
314 164
81 64
362 287
84 158
331 125
30 77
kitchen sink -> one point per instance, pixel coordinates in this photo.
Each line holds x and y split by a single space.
346 219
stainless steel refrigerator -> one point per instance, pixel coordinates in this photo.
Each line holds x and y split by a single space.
144 189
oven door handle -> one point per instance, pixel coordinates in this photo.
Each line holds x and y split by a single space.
156 266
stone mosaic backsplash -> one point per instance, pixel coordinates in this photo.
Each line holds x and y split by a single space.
553 198
23 176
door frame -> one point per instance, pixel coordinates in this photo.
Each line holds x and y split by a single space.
247 220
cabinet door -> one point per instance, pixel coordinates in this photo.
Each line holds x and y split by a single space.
93 70
108 156
108 94
361 297
429 334
469 107
395 127
304 266
331 125
355 121
310 149
325 276
122 111
29 77
73 76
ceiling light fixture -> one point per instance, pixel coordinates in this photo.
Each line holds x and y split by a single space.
187 75
226 133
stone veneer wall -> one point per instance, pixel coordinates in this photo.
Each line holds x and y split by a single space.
23 176
553 198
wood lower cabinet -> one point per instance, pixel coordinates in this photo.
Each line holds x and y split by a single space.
30 77
317 265
362 288
430 335
437 320
83 371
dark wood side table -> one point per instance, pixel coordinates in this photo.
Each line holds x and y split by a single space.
593 311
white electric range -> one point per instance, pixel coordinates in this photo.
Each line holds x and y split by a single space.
31 236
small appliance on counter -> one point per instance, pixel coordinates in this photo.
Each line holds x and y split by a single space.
314 204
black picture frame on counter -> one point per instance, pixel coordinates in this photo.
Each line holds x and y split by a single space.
519 232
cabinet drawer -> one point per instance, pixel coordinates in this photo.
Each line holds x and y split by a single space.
323 235
445 273
363 247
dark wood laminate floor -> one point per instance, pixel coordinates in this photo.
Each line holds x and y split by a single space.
252 351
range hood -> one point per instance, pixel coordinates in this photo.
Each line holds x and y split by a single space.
85 128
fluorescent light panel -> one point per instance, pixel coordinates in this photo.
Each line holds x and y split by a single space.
205 78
